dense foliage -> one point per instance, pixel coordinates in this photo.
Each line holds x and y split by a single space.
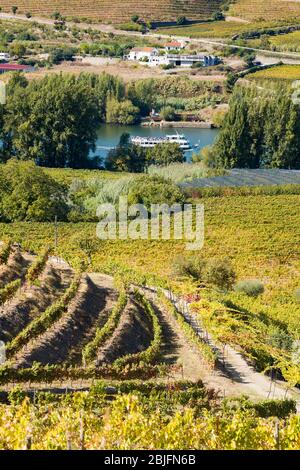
135 421
27 193
262 128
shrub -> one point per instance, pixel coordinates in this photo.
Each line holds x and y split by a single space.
154 190
187 266
29 194
220 273
121 112
16 396
251 287
279 338
215 272
165 154
168 113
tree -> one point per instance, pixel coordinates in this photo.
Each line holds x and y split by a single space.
135 18
164 154
218 16
168 113
143 94
28 194
262 128
104 86
154 190
126 157
17 49
56 15
14 9
62 54
121 112
53 121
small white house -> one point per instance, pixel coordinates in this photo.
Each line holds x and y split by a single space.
174 46
142 53
4 57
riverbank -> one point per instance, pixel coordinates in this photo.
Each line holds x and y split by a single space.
179 124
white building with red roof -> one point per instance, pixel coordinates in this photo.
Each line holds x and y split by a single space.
142 53
174 46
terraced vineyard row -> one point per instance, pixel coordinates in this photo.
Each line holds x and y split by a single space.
64 324
118 11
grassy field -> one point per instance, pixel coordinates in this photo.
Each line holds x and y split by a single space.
282 72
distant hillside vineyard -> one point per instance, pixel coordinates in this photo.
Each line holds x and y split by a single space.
118 11
267 10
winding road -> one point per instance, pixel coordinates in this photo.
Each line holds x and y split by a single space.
283 56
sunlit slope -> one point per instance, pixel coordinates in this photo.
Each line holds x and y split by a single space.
119 10
266 10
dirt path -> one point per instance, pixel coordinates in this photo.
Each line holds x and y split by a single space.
181 352
232 366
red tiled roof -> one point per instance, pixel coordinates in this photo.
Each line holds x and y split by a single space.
143 49
14 67
173 44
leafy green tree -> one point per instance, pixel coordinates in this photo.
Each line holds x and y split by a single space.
17 49
262 128
52 121
28 194
126 157
168 113
104 86
164 154
154 190
143 94
218 16
62 54
121 112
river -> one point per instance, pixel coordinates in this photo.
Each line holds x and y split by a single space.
109 136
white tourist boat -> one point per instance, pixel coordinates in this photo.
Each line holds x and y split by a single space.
150 142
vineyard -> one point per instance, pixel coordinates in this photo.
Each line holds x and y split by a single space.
280 73
88 346
93 327
119 11
59 323
265 10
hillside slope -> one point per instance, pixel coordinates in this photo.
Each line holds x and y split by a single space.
266 10
118 10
